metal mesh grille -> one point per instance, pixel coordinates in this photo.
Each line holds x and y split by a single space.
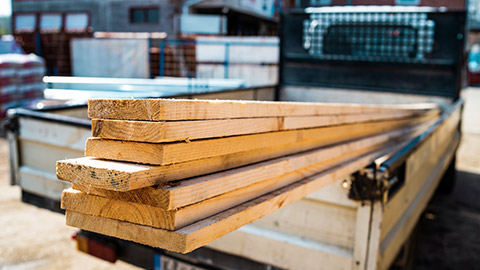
369 36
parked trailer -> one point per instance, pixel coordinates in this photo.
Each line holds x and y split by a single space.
366 221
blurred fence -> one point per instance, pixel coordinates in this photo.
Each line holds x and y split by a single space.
254 61
54 47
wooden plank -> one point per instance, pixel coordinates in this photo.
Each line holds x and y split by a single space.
169 131
300 122
178 109
149 215
123 176
178 152
143 131
200 188
202 232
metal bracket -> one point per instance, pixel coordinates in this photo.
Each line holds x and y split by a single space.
11 122
363 185
374 183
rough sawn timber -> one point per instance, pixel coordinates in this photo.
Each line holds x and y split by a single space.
178 152
145 214
125 176
170 131
204 231
190 191
182 109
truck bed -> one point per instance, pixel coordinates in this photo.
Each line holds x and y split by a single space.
327 225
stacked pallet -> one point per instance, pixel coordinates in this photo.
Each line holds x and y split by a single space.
20 80
178 174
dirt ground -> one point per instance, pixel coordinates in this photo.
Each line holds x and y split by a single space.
34 238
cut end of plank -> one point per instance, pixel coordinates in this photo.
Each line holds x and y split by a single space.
109 108
146 235
143 214
117 176
154 196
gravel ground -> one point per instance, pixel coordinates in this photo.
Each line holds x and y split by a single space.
34 238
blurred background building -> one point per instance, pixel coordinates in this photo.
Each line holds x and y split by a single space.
185 38
233 17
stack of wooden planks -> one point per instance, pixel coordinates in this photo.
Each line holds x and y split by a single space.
178 174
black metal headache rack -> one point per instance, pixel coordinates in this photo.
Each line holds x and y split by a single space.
386 48
369 36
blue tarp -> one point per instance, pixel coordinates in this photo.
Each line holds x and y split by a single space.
8 45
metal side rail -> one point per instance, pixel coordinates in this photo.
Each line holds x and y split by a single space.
381 181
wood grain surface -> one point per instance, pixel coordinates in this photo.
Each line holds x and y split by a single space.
169 131
182 109
206 230
193 190
178 152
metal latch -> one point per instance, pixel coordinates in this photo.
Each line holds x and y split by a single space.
363 185
375 183
11 122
